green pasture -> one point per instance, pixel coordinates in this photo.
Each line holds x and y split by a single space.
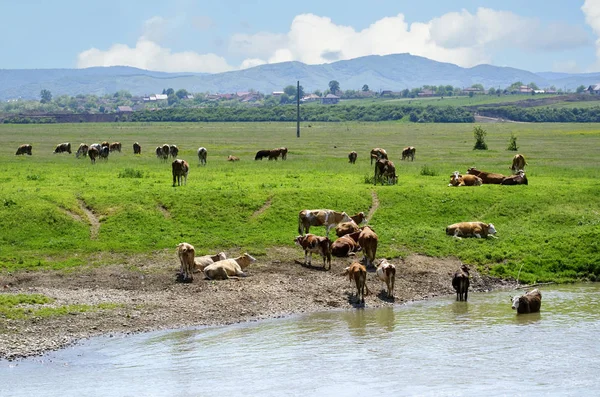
548 230
463 100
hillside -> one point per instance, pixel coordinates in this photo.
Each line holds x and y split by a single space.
390 72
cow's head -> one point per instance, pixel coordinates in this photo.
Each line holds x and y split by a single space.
473 171
298 240
491 229
345 217
515 302
222 256
249 257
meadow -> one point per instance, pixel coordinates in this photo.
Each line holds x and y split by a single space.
547 231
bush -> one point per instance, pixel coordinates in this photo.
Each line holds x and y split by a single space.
426 171
480 134
131 173
512 143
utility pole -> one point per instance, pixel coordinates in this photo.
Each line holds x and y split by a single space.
298 110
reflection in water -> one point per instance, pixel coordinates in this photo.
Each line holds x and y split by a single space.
426 348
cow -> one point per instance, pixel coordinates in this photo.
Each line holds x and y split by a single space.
387 274
377 154
471 229
385 170
528 303
186 253
367 239
518 179
460 283
229 268
345 228
173 151
115 146
345 245
487 177
352 157
409 152
93 154
202 155
358 273
327 218
200 262
166 149
159 153
359 218
456 179
137 149
315 244
82 150
262 153
283 152
63 147
233 158
105 144
180 169
103 154
24 149
518 163
274 154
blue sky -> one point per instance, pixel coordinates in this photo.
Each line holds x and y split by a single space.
217 36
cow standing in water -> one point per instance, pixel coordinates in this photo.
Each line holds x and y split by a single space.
460 283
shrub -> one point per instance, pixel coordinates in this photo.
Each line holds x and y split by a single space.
512 143
426 171
131 173
480 134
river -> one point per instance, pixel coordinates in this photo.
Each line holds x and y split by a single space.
432 348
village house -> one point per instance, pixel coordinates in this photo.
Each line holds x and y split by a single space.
330 99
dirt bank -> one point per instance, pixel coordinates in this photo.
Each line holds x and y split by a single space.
147 297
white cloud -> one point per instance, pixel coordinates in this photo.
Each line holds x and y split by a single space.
591 10
569 66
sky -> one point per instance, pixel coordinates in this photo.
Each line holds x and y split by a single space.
224 35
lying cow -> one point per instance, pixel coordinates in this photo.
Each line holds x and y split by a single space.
367 239
63 147
233 158
24 149
471 229
200 262
82 150
262 153
377 154
345 228
518 163
229 268
352 157
456 179
315 244
358 273
518 179
327 218
409 152
460 283
387 274
528 303
186 253
202 155
345 245
487 177
137 149
180 170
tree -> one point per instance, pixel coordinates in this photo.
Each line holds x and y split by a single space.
46 96
365 88
301 92
580 89
182 93
514 87
318 93
533 86
512 143
478 86
480 134
168 91
334 86
492 91
290 91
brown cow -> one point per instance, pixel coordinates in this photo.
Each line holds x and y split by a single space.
262 153
115 146
200 262
378 153
137 149
345 245
409 152
82 150
315 244
180 169
358 273
487 177
471 229
283 151
460 283
93 154
345 228
518 179
359 218
229 268
63 147
166 149
105 144
352 157
367 240
518 163
186 253
173 151
456 179
385 170
327 218
274 154
387 274
24 149
528 303
233 158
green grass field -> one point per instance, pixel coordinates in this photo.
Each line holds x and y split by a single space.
463 100
549 230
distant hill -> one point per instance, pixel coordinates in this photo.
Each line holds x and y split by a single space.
389 72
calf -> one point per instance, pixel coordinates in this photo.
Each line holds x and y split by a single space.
377 154
229 268
518 179
315 244
137 149
528 303
201 262
82 150
358 273
24 149
186 253
471 229
180 170
518 163
202 155
409 152
345 245
457 179
233 158
352 157
327 218
387 274
487 177
460 283
63 147
262 153
367 239
93 154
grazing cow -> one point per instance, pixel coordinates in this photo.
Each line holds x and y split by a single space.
202 155
358 273
186 253
93 154
262 153
471 229
528 303
104 152
159 153
233 158
201 262
518 179
387 274
352 157
377 154
283 151
274 154
385 170
460 283
409 152
518 163
63 147
137 149
82 150
315 244
97 146
173 151
115 146
180 169
456 179
359 218
24 149
345 245
327 218
367 239
229 268
487 177
105 144
345 228
166 149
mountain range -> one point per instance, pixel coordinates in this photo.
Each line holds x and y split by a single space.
389 72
